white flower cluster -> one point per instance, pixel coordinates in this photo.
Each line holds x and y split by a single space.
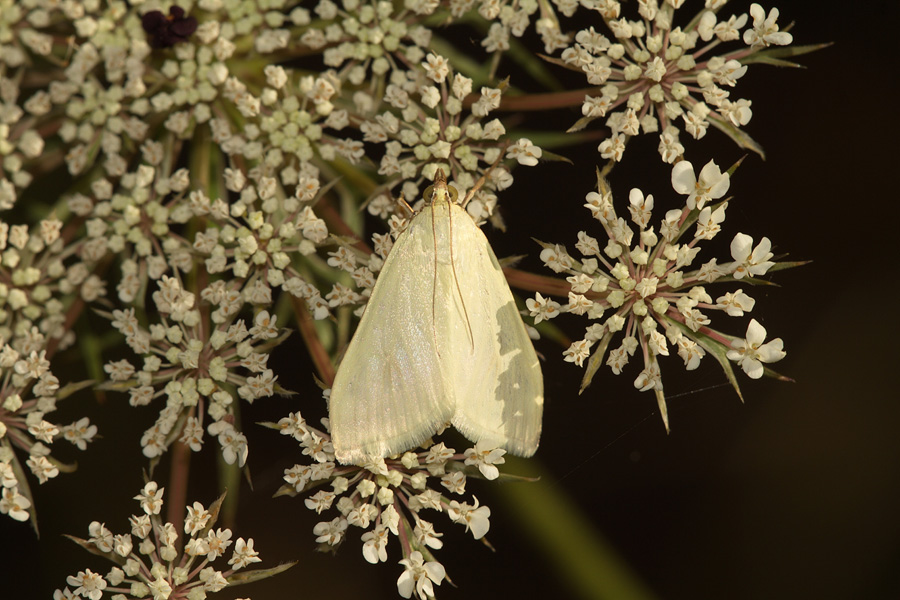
425 127
512 17
255 237
388 498
193 356
136 218
654 76
40 277
645 284
284 128
28 395
148 561
40 280
102 100
365 38
19 142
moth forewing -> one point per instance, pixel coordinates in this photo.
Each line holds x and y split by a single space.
440 341
389 393
498 386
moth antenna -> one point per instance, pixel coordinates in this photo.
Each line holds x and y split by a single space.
437 346
440 184
456 281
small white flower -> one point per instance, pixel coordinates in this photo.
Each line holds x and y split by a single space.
747 262
88 584
541 308
196 519
765 29
578 352
151 498
711 185
525 152
419 576
476 518
649 379
332 532
14 504
751 352
436 67
244 554
485 455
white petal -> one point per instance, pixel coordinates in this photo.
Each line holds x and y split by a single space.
753 368
763 250
741 246
405 584
683 179
771 351
435 571
756 334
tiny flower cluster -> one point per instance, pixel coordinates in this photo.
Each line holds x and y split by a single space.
647 283
271 216
149 561
125 69
435 131
28 394
388 498
284 128
135 217
40 278
365 39
652 74
192 356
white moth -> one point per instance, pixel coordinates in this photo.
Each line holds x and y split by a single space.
440 341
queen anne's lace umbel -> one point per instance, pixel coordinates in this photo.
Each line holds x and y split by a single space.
211 165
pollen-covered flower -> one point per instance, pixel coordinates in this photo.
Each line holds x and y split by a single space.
647 284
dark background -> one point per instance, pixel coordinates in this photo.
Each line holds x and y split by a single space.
793 494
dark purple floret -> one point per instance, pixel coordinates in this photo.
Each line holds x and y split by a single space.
166 31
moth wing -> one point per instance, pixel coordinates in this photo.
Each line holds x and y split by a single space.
495 375
389 393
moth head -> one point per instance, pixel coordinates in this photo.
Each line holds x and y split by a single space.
440 191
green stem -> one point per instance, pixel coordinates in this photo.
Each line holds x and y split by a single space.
586 561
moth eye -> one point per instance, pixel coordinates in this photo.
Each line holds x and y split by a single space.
429 193
453 193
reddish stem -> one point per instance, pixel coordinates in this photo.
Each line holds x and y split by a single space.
316 350
178 479
337 224
549 101
536 283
